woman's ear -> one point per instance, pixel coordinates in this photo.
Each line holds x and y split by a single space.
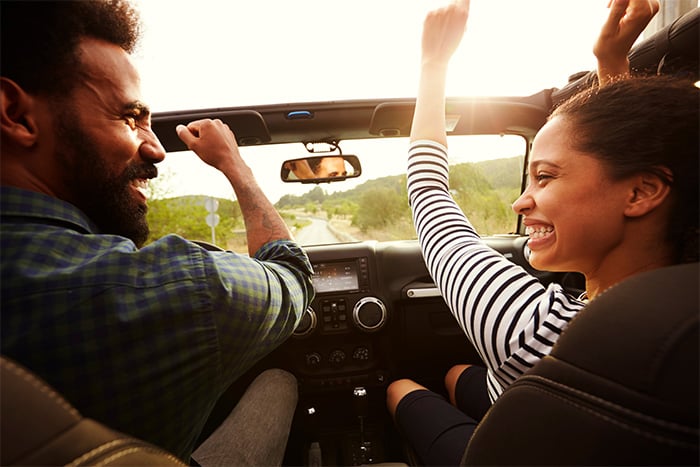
17 122
648 191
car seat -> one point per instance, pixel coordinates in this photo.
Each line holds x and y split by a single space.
39 427
620 387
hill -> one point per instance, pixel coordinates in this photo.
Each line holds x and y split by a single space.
484 190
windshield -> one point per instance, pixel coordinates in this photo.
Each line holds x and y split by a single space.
485 179
229 54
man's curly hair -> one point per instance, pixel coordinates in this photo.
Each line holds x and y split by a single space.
38 46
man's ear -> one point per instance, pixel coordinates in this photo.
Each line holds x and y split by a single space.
648 191
17 121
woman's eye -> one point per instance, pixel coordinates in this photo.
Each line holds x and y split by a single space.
542 177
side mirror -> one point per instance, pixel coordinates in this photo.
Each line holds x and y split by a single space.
320 169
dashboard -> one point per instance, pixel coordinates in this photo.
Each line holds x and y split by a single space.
377 314
376 317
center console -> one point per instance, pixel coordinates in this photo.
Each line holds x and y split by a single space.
339 358
333 342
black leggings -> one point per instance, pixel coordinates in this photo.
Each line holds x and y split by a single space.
437 431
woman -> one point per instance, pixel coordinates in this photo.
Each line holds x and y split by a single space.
612 174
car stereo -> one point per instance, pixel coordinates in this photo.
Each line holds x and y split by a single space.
341 276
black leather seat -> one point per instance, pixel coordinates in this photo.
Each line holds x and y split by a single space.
39 427
619 388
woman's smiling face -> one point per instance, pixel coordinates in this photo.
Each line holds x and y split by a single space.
573 211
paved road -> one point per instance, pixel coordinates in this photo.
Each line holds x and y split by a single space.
316 233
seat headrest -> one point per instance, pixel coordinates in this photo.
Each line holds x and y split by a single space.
40 427
43 412
645 329
620 386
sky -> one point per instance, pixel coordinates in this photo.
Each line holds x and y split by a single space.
223 53
218 53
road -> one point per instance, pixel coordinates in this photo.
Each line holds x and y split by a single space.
315 233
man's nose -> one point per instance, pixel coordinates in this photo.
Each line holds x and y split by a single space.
151 149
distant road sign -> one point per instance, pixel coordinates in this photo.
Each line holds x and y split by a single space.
212 204
213 220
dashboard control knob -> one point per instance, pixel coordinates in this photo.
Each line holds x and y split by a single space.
360 353
313 359
307 323
336 357
369 314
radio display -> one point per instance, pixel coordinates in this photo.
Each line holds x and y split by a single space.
335 277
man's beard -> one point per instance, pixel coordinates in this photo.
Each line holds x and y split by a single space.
106 198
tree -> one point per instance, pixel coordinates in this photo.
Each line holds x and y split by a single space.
185 216
159 187
379 207
481 203
311 208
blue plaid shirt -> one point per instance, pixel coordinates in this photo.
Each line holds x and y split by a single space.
144 340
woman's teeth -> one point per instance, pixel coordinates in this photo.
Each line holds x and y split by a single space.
539 232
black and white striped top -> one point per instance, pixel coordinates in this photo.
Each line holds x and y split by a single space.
509 316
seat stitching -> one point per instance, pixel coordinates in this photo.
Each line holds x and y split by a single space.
115 444
626 411
40 385
98 450
141 448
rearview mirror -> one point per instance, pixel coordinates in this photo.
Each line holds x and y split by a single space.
321 169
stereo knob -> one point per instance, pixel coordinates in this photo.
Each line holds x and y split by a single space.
369 314
313 359
336 357
307 323
360 353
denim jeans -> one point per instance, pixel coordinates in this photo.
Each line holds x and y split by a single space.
255 432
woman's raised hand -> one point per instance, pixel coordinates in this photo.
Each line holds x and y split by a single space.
442 32
626 21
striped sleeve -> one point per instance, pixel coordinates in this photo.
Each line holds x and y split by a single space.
508 315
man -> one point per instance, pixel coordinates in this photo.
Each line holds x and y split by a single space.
330 167
315 167
144 339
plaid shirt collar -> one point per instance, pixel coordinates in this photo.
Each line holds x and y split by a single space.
18 204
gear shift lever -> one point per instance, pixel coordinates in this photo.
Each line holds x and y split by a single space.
361 407
360 401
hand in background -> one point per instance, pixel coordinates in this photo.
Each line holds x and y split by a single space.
442 32
626 21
